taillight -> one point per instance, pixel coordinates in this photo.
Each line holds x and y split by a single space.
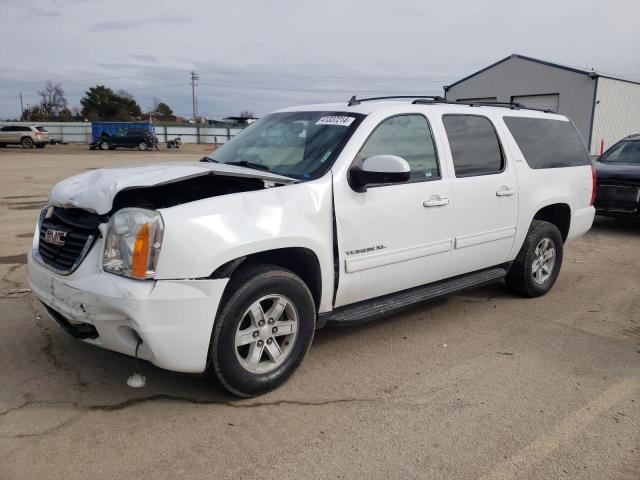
38 134
594 181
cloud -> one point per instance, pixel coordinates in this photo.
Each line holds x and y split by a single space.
120 25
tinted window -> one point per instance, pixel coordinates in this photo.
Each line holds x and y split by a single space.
409 137
7 129
23 129
623 152
475 148
548 143
41 129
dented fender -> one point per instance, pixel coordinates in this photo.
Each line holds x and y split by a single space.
201 236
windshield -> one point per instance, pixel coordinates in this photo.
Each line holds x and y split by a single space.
624 152
301 145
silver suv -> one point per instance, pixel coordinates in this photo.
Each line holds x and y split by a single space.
28 137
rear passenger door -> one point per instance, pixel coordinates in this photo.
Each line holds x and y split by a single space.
485 194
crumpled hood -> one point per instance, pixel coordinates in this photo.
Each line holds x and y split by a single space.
95 190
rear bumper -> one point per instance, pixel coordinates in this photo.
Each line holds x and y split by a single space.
581 222
174 318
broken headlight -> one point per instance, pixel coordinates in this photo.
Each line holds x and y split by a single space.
132 244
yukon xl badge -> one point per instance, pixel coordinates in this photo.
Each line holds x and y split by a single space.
55 237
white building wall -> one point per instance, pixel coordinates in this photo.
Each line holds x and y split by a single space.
617 112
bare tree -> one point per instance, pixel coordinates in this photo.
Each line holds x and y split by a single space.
52 100
246 114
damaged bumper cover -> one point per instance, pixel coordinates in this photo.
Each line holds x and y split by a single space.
174 318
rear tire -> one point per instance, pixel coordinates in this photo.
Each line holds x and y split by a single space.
263 330
537 266
26 142
40 145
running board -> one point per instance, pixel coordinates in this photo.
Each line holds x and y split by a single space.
379 307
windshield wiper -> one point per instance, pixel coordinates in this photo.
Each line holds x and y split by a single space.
209 159
255 166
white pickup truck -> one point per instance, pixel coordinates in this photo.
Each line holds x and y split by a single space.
323 214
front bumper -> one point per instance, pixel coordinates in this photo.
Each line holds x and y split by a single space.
174 318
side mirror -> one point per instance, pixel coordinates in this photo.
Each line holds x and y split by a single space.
379 169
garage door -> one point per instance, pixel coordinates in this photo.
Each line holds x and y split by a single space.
477 100
543 102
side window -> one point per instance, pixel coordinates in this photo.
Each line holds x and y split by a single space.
548 143
475 148
409 137
24 129
5 129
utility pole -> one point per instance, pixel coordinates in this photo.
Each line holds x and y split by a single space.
194 78
21 107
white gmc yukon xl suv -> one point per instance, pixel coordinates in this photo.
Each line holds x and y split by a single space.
323 214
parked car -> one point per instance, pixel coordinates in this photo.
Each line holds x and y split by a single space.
326 214
126 138
618 172
27 136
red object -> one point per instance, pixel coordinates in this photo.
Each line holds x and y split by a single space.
594 181
601 146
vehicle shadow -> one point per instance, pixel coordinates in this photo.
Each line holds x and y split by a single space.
619 226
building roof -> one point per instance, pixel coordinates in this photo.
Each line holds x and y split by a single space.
590 73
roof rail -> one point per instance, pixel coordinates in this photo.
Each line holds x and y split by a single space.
356 101
511 105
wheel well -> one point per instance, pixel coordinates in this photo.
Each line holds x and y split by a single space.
301 261
559 214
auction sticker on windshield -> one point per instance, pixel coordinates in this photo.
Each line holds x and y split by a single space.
336 120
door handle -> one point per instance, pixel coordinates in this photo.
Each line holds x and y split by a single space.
436 201
505 191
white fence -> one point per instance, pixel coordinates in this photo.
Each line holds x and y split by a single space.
190 134
80 132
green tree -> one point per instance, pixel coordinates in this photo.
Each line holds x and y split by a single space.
102 103
164 109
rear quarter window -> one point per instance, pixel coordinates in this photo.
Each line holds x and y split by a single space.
548 143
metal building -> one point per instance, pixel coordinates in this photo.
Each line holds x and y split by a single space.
603 108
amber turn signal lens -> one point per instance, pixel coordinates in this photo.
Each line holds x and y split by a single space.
139 260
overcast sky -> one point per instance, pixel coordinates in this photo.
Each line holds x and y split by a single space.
263 55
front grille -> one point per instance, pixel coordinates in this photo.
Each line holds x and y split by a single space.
66 236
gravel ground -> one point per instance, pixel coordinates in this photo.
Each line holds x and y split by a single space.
481 385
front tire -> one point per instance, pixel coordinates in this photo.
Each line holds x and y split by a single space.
263 331
142 146
537 266
104 145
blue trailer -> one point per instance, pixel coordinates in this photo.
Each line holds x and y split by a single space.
110 128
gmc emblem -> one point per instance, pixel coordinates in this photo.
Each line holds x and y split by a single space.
55 237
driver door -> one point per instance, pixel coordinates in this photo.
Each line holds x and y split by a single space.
395 236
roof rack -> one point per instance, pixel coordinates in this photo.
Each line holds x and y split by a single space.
429 99
357 101
511 105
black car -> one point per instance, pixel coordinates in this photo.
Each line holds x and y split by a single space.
126 138
618 171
